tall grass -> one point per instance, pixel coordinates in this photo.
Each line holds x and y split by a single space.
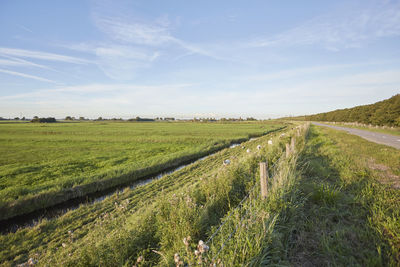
245 234
344 215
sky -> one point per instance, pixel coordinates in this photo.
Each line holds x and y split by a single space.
186 59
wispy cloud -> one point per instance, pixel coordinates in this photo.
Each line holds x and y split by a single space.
313 95
24 75
105 93
25 28
13 61
317 70
155 33
133 32
345 30
41 55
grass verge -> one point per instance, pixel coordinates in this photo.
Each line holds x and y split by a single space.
342 214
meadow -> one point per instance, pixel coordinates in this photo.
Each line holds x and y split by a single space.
332 201
45 164
156 216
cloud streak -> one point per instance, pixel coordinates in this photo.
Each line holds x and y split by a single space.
154 35
27 76
4 51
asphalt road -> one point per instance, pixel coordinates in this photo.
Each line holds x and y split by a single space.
380 138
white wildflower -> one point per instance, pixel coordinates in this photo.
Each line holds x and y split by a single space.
176 258
202 247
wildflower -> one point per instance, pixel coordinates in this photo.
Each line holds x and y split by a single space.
202 247
64 245
196 252
248 150
259 147
227 162
270 142
176 258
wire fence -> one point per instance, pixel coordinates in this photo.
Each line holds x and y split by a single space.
273 171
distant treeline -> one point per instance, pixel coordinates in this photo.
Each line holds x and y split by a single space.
37 119
136 119
386 112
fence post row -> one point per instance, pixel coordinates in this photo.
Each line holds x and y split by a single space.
263 179
292 141
287 150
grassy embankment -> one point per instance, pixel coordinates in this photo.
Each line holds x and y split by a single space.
45 164
152 217
345 212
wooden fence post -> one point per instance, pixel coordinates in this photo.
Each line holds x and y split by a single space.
263 179
287 150
292 141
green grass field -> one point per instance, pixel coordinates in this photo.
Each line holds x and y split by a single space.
155 216
41 163
332 202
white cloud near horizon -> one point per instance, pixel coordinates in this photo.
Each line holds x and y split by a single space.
314 95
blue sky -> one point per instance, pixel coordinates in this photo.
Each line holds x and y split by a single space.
196 58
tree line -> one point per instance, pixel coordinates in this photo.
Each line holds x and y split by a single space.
382 113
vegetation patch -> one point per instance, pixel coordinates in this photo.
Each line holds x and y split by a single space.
46 164
343 215
386 112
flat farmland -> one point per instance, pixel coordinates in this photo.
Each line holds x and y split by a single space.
45 164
